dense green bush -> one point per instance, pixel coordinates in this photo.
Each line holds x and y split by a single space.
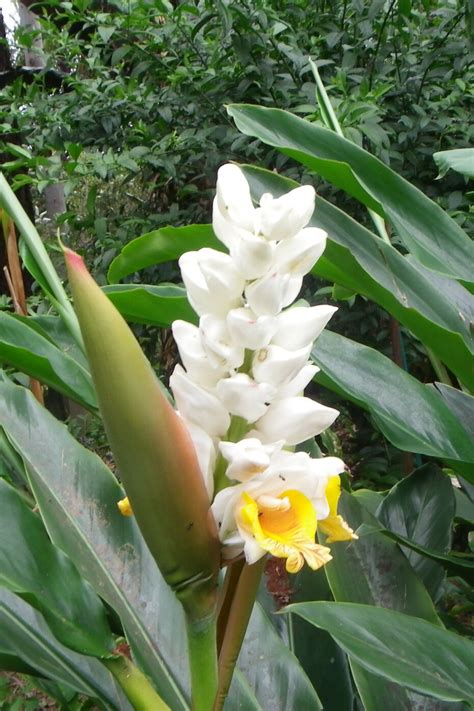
138 107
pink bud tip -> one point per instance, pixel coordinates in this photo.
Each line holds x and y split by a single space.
74 260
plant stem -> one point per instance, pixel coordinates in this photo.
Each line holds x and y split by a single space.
135 685
226 599
238 619
438 367
202 652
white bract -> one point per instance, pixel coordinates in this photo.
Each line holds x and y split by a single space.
245 368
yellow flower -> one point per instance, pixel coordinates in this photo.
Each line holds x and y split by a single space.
285 526
125 507
334 526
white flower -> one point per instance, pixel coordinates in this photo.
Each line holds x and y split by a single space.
294 419
244 397
270 294
221 349
247 366
276 365
233 198
249 330
198 405
198 366
285 216
212 281
277 510
247 457
300 326
297 385
298 255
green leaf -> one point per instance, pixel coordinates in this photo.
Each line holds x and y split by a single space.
30 639
438 314
156 305
426 230
273 672
402 648
373 570
321 658
26 347
241 696
408 413
421 508
460 159
77 496
460 564
32 566
461 405
163 245
464 507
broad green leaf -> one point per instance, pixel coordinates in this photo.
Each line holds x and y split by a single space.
409 414
427 231
373 570
421 508
26 348
10 662
273 672
53 327
402 648
30 639
459 159
461 405
321 658
156 305
163 245
464 507
460 564
439 314
241 696
369 499
77 496
32 566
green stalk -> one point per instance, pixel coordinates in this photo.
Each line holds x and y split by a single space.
330 119
11 204
238 619
135 685
202 653
438 367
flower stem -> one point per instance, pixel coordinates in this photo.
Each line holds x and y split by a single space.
238 619
135 685
202 654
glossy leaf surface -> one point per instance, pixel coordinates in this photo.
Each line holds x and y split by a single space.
32 566
155 305
273 672
409 414
437 310
31 640
163 245
421 508
25 347
374 571
398 647
77 497
423 226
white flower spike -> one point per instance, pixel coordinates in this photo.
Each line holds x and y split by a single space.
245 368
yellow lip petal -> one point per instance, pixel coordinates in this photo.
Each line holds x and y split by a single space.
124 507
334 526
287 530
